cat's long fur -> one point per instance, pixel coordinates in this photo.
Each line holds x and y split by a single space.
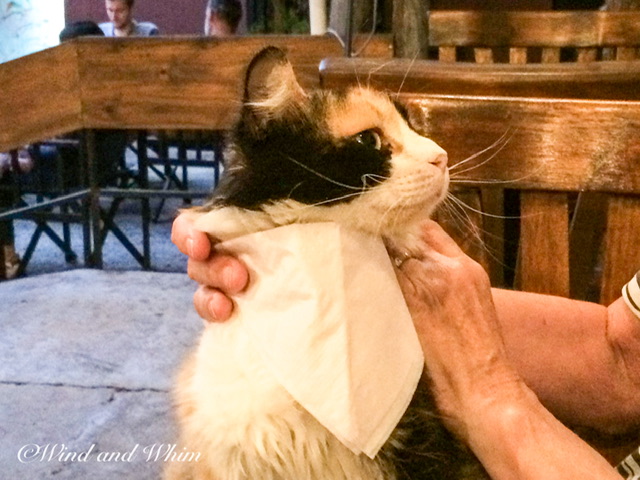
347 157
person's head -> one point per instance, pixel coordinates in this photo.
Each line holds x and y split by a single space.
120 12
80 29
222 17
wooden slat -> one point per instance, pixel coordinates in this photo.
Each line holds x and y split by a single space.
622 252
548 144
586 55
550 55
518 55
447 54
599 80
40 97
483 55
627 53
543 260
531 29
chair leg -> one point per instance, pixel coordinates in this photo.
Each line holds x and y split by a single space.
108 218
61 243
109 225
89 258
66 238
3 262
31 247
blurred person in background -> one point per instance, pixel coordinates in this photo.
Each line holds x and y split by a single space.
222 18
122 23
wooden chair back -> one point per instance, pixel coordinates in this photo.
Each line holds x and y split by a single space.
544 35
544 151
573 38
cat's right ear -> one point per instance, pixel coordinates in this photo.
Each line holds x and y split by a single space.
271 87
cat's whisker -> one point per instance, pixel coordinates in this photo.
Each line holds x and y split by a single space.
374 70
406 74
501 142
356 74
378 179
331 200
324 177
480 212
396 206
472 181
461 216
478 165
458 210
456 179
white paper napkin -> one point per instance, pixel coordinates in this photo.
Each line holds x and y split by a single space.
326 313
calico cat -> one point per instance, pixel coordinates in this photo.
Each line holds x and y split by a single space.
348 157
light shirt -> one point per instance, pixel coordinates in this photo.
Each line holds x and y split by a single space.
140 29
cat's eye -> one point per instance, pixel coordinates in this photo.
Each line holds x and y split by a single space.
369 138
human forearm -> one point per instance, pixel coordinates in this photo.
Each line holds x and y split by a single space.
518 439
580 358
482 398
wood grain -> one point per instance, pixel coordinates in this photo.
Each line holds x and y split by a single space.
622 255
144 83
543 261
599 80
533 29
40 97
551 144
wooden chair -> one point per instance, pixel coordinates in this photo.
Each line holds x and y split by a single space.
583 38
550 149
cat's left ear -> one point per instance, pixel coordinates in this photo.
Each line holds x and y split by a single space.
271 86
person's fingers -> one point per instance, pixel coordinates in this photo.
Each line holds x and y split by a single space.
212 305
188 239
222 272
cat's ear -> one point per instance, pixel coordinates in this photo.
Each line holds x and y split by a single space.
271 87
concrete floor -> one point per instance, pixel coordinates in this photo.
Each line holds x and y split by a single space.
87 361
88 357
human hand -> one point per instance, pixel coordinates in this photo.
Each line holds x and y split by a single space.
450 299
218 275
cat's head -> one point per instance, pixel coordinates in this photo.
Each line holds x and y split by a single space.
348 157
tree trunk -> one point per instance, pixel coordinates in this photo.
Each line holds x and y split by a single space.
411 28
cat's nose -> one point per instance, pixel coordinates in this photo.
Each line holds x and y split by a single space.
440 160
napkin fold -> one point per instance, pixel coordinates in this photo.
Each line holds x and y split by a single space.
325 311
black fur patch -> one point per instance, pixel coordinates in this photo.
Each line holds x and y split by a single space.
295 157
